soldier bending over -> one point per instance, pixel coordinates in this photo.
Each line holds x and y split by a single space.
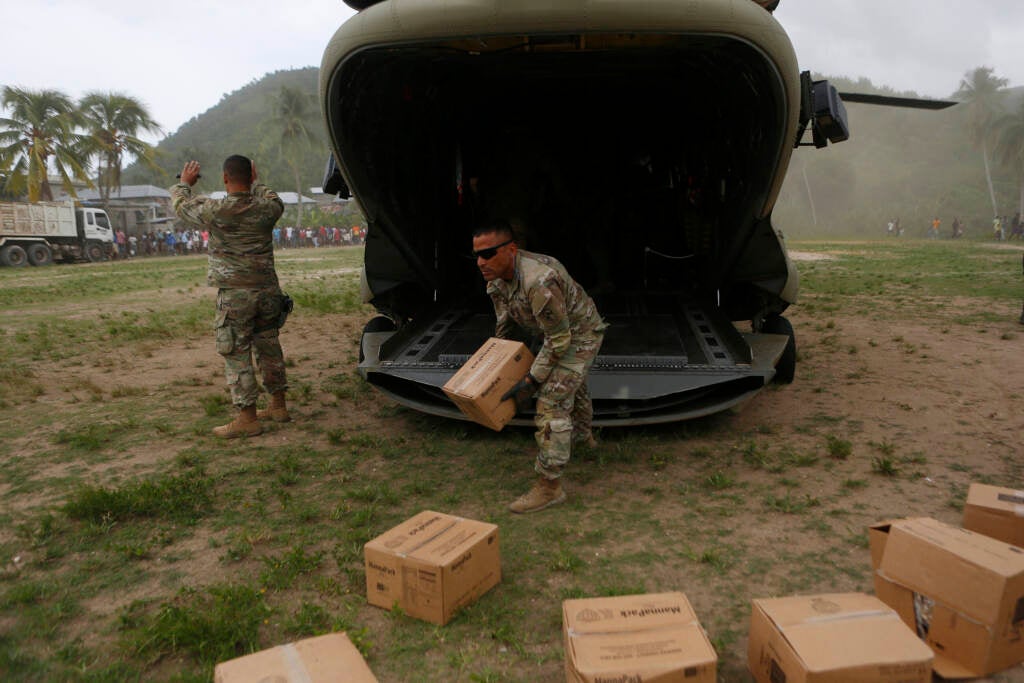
535 292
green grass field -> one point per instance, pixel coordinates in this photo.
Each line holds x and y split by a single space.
136 547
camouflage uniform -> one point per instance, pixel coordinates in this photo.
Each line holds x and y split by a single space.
543 299
241 266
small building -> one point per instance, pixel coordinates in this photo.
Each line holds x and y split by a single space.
327 200
136 209
62 195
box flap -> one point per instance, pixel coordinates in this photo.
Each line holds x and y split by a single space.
878 534
322 659
953 566
673 649
413 533
996 512
1007 500
950 668
626 613
451 542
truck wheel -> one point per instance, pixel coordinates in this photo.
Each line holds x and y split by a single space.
13 255
40 255
785 371
94 251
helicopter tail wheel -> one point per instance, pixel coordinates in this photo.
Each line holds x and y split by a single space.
785 371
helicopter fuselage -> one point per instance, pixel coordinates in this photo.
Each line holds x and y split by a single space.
643 146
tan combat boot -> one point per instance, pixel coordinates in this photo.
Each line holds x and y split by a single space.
245 424
277 410
545 493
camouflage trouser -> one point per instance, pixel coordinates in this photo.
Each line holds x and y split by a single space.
564 410
247 335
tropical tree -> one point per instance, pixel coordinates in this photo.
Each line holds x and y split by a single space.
114 121
40 128
295 123
982 93
1008 141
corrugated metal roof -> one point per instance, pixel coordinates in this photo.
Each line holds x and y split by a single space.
286 197
293 198
129 192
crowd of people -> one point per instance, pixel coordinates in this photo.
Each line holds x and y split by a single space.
290 237
185 242
1000 224
1003 228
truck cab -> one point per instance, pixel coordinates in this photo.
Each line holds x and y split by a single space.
93 224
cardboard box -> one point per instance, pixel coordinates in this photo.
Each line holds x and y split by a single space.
432 565
833 638
960 591
478 386
324 659
636 638
996 512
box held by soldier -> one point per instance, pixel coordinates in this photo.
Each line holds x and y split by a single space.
478 386
960 591
432 565
997 512
323 659
654 637
833 637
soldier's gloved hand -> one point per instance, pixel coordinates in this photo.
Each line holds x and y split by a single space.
521 391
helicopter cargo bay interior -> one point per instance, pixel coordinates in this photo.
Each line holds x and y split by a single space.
616 154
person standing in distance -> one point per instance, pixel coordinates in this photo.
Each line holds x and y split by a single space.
249 299
536 292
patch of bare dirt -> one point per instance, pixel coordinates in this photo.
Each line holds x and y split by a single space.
944 399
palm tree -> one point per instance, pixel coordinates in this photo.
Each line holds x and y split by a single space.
982 92
295 119
1008 139
41 127
114 121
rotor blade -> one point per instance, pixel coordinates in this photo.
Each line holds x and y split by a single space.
890 101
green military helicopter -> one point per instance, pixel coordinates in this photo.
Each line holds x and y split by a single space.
643 144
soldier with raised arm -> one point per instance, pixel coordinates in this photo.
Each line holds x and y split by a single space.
250 304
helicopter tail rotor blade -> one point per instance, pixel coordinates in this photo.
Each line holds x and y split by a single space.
889 101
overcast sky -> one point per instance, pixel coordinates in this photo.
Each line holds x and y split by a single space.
180 57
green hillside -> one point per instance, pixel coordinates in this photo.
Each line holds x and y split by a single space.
904 163
241 123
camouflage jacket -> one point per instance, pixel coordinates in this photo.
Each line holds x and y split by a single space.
542 298
241 248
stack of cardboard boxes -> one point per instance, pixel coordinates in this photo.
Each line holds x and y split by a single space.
947 598
958 590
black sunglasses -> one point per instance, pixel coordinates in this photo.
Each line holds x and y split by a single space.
490 252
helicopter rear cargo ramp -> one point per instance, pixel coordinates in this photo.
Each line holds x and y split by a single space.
663 359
